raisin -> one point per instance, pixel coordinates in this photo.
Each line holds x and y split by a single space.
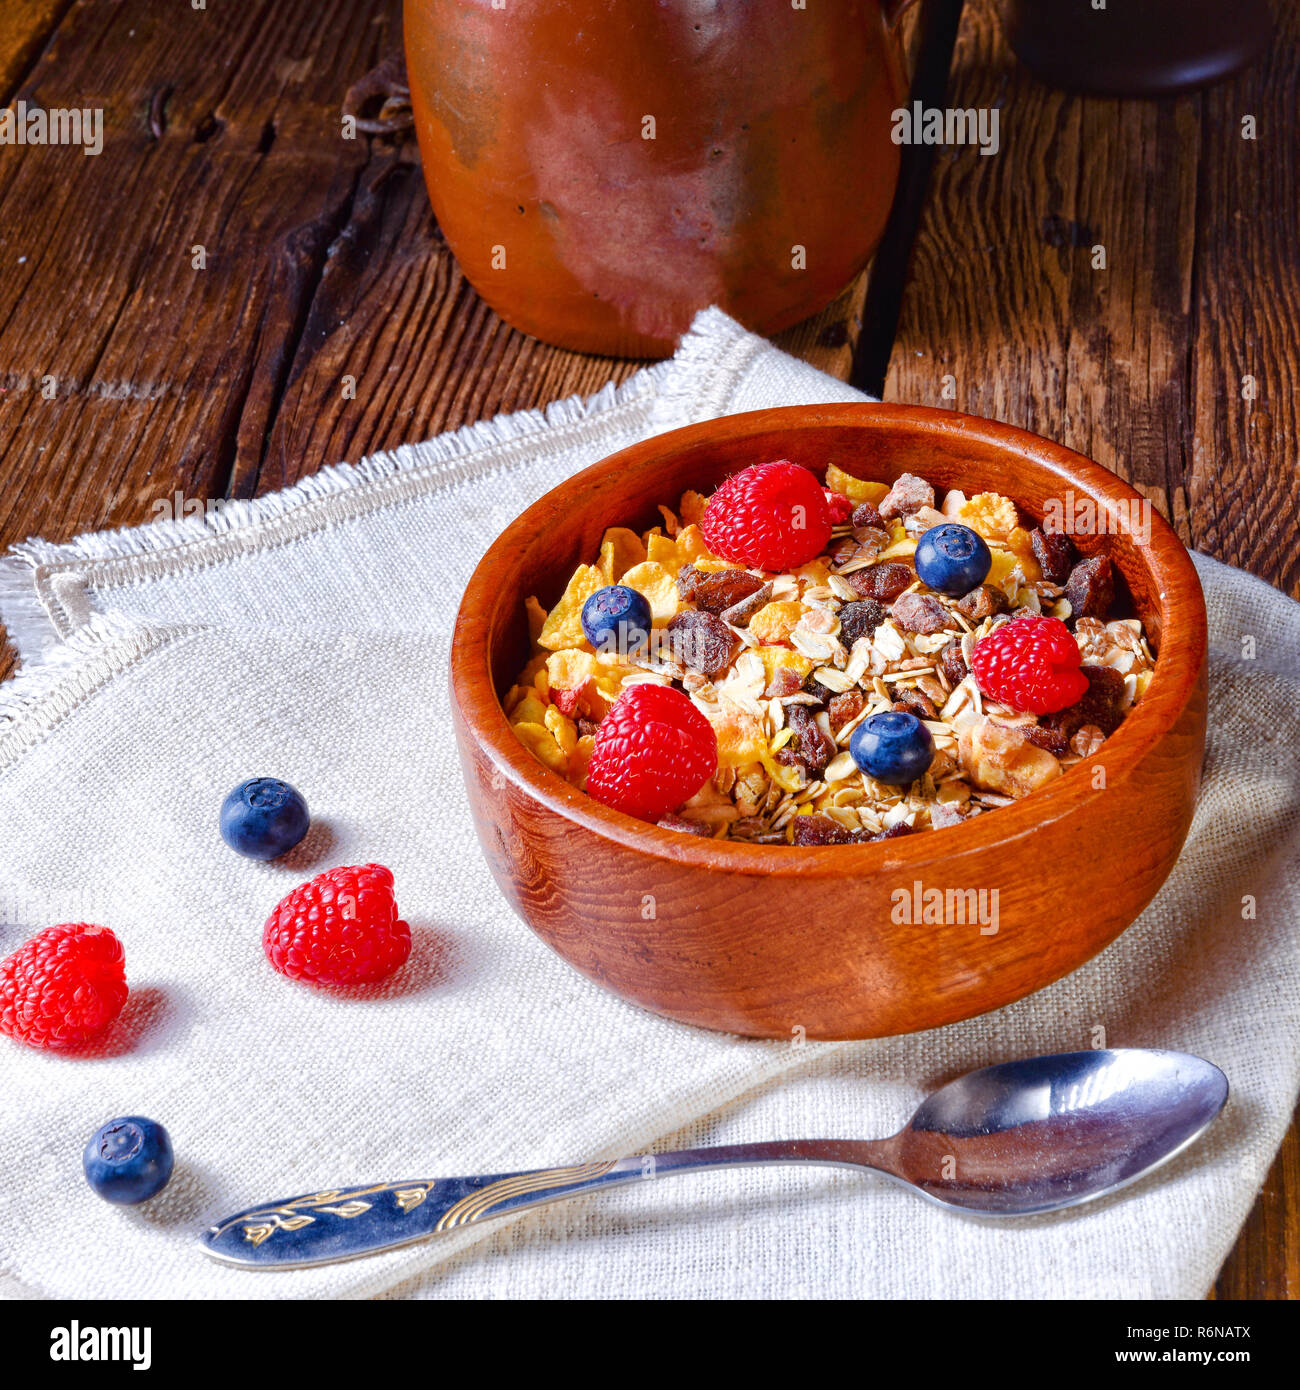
909 494
688 578
981 603
739 614
893 833
701 641
882 582
952 663
845 708
813 748
813 686
1052 741
1091 588
686 827
917 703
860 619
1055 553
720 590
865 514
921 613
822 830
1099 705
587 726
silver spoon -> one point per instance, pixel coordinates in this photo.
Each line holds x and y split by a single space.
1012 1140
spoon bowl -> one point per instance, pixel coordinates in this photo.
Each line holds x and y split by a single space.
1050 1132
1017 1139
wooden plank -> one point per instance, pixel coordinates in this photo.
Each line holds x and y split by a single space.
1004 314
1243 478
26 27
164 374
1241 469
1136 365
1265 1262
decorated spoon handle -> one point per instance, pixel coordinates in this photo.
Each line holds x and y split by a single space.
344 1223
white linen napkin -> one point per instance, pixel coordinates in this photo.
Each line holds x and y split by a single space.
305 636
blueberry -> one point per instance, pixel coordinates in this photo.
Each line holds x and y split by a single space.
616 619
263 818
892 747
128 1160
952 559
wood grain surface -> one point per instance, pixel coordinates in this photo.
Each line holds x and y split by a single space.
323 261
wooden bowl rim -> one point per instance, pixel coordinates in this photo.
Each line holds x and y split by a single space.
1181 654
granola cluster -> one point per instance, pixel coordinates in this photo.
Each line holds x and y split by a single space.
785 666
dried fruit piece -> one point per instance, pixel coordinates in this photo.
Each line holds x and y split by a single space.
785 681
686 827
821 693
981 603
845 708
739 614
810 746
917 703
1091 588
1001 759
921 613
908 494
1055 553
1050 740
855 489
952 663
867 514
1099 704
774 622
882 582
718 589
860 618
822 830
893 832
701 641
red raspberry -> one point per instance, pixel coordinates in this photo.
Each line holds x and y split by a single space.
63 986
339 928
773 516
1030 664
653 751
840 507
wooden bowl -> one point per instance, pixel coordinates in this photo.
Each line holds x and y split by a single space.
775 941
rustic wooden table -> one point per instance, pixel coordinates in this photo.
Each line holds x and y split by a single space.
127 375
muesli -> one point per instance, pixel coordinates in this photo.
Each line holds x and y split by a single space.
834 664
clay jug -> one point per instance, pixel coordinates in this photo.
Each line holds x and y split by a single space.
602 169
